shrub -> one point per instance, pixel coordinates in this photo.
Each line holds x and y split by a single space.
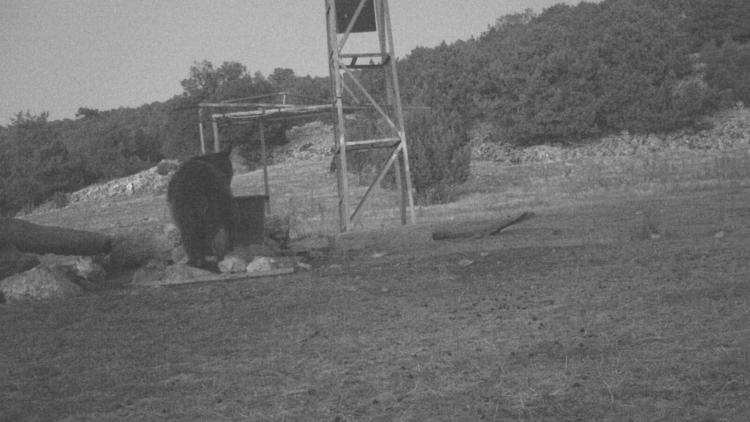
577 72
438 147
362 126
715 21
439 153
727 69
60 199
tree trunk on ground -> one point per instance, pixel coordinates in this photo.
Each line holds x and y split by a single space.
30 237
489 229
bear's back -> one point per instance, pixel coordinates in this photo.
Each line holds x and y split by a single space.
204 177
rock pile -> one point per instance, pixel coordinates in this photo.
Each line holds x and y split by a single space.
56 277
308 141
147 181
726 131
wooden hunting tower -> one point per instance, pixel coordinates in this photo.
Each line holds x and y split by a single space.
366 18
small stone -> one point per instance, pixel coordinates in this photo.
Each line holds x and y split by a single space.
304 265
178 273
151 273
719 234
232 264
83 267
465 262
261 263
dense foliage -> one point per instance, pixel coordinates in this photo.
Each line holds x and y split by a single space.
46 166
439 153
567 74
727 68
574 72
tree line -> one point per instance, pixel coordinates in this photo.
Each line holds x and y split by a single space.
567 74
40 158
576 72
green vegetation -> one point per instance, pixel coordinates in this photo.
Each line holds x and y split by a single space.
567 74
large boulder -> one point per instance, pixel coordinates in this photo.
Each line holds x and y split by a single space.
40 283
83 270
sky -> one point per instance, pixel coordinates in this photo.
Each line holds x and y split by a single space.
59 55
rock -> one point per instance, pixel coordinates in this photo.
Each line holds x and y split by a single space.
82 270
465 262
180 272
40 283
261 263
232 264
249 252
83 267
152 272
178 255
304 265
172 233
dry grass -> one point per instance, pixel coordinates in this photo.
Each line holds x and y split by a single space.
577 314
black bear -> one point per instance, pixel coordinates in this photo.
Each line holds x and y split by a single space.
201 203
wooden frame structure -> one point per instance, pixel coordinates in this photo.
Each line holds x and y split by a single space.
247 110
344 17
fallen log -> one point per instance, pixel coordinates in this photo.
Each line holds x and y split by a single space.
482 231
35 238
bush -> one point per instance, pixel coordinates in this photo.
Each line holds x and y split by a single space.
728 69
438 146
713 21
439 153
364 163
577 72
60 199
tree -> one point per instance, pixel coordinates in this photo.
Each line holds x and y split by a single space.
727 69
716 21
446 78
205 80
181 137
35 163
87 113
576 72
282 79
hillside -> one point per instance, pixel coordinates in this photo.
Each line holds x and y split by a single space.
501 179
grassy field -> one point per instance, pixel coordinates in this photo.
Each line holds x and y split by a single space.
627 297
